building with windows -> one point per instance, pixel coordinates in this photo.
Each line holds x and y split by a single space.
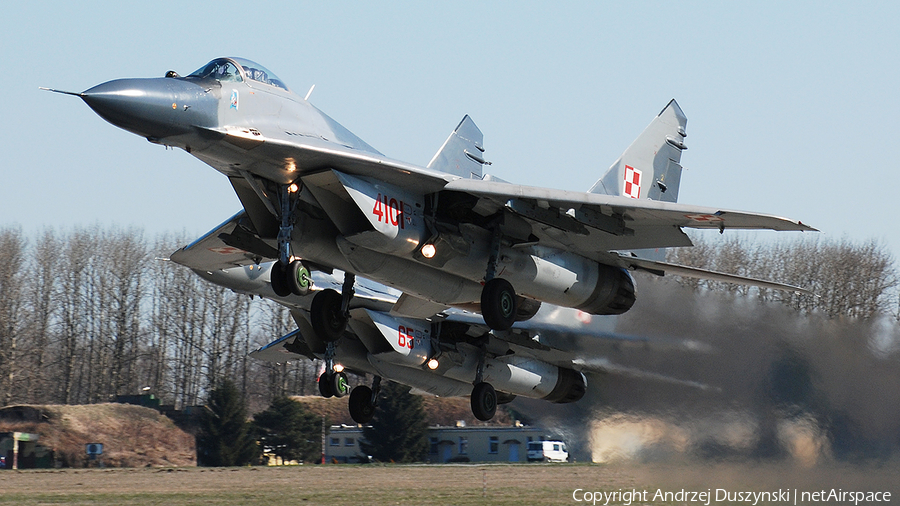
446 444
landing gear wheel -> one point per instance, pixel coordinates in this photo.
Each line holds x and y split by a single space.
298 278
326 317
339 384
326 387
484 401
361 407
278 278
498 304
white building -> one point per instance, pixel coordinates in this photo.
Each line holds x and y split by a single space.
446 444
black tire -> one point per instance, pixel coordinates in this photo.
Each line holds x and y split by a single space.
339 384
484 401
325 315
298 278
278 278
361 408
325 386
498 304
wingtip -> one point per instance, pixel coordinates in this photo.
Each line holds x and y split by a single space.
807 228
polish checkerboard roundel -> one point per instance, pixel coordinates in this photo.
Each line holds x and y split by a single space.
632 182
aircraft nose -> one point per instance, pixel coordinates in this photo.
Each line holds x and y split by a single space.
153 108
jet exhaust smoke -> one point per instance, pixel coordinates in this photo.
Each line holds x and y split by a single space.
755 383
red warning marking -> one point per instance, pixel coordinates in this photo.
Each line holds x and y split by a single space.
632 182
226 250
709 218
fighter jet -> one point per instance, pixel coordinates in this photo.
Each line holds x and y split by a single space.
317 198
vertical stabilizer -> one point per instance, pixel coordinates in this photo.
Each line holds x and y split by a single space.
462 152
651 167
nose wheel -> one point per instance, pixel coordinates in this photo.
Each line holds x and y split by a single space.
294 278
333 385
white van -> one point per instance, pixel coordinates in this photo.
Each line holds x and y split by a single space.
547 451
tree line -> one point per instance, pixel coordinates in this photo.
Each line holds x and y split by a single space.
288 431
92 313
845 279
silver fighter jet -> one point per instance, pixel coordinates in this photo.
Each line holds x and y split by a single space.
447 237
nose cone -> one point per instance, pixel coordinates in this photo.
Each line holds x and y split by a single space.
152 108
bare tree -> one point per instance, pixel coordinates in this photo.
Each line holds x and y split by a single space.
41 313
846 279
127 265
12 249
72 300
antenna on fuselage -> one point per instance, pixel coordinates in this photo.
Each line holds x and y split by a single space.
308 93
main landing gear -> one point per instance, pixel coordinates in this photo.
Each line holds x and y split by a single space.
484 397
330 311
363 401
484 401
498 304
498 298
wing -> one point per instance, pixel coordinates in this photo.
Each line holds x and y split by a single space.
593 224
659 268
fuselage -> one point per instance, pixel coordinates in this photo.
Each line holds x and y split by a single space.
240 119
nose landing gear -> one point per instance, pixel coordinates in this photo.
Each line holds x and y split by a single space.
333 385
288 275
294 278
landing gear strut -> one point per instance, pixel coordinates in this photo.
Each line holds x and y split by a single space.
289 275
498 298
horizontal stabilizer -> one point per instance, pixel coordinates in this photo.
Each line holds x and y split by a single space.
223 247
289 347
661 268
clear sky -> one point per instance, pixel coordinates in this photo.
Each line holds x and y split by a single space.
792 106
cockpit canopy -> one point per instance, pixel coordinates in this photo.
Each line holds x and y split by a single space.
236 70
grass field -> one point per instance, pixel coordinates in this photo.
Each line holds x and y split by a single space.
409 485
